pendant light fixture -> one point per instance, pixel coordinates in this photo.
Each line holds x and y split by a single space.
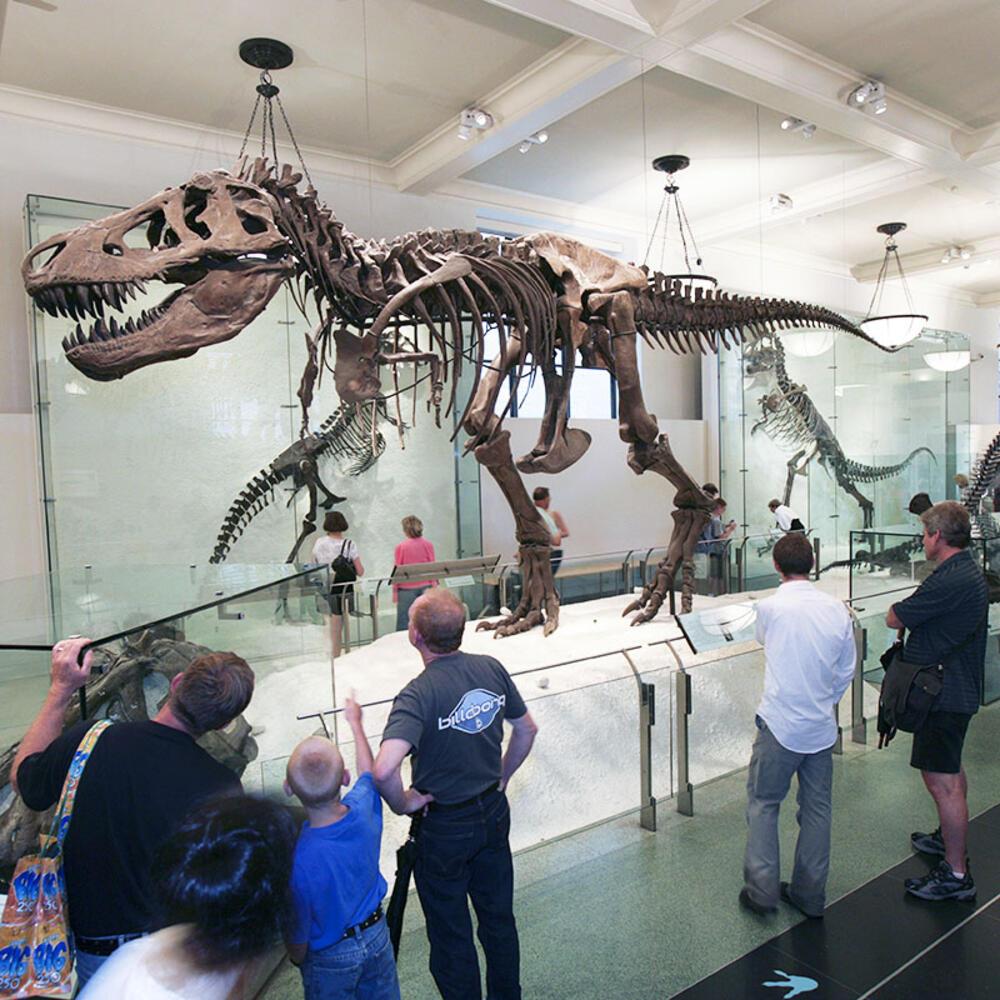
690 278
892 329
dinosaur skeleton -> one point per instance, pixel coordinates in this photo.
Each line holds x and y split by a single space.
349 434
424 300
790 419
983 481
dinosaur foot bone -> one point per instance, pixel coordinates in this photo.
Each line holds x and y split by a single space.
559 455
539 594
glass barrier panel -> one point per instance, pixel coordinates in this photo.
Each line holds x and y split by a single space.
588 739
724 698
24 682
756 567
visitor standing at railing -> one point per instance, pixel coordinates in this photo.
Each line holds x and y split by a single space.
338 936
413 549
785 519
450 717
341 555
554 522
947 618
809 654
138 784
714 540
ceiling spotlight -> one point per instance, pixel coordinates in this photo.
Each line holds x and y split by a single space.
869 96
472 119
533 140
956 253
781 203
793 124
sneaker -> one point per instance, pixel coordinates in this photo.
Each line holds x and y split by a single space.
754 907
786 895
942 883
928 843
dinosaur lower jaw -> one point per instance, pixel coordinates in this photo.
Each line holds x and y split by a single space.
210 311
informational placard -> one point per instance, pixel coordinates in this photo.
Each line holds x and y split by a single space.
713 628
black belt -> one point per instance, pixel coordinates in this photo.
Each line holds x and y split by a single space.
365 924
105 945
474 801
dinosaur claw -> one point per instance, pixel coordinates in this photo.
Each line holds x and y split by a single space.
634 606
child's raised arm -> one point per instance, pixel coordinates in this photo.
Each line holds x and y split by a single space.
363 759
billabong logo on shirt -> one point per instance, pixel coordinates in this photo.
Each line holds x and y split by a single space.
475 712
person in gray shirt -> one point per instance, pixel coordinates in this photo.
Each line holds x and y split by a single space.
450 719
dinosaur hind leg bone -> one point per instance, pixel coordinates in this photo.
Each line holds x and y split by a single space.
650 451
534 543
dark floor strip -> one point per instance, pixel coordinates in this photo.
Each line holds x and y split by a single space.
880 942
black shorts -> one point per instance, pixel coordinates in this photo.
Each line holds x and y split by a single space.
333 604
937 744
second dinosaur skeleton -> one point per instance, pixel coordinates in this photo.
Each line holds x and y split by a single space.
423 300
790 419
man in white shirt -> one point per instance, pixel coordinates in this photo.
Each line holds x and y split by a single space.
809 647
784 517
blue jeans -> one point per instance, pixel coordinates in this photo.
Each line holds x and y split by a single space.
464 854
771 770
404 598
86 967
360 966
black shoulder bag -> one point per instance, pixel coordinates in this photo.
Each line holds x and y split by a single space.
910 689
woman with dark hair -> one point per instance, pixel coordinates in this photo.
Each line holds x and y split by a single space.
327 549
223 881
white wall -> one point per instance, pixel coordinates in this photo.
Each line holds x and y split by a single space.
607 507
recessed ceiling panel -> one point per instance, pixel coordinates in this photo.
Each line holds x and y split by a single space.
739 153
942 54
425 61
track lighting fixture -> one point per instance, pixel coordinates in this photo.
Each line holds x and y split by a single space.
956 253
793 124
537 139
869 96
472 119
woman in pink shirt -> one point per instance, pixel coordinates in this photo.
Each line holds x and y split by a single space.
413 549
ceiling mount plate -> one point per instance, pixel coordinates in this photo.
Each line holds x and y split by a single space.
672 163
266 53
890 228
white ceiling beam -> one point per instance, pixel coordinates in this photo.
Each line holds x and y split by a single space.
877 180
758 65
925 261
577 72
616 46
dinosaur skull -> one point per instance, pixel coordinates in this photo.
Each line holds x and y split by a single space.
214 236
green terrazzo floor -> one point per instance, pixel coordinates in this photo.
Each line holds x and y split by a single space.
617 911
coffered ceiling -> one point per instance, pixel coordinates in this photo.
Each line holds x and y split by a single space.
614 82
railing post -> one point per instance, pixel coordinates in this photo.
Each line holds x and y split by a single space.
647 719
685 790
739 568
816 558
859 728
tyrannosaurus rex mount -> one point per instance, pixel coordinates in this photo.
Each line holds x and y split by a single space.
426 300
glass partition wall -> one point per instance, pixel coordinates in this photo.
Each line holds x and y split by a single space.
145 469
851 428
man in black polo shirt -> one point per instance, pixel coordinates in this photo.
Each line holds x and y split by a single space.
450 717
140 781
946 618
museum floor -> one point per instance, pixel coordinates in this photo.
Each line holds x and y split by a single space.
616 911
